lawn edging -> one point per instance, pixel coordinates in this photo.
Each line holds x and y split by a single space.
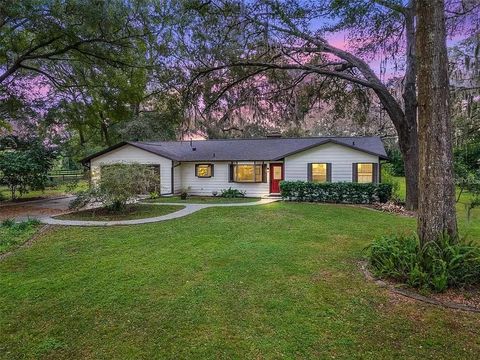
413 295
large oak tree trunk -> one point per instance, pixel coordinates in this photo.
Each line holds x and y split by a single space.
409 143
436 211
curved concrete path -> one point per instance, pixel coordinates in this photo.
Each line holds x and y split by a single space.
187 210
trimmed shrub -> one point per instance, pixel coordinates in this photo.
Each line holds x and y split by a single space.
339 192
437 266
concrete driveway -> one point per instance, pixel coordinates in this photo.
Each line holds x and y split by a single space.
35 208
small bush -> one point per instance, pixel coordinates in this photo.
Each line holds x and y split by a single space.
338 192
8 223
183 195
232 193
436 266
154 195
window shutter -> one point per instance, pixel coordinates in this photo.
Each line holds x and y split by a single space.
355 172
309 172
230 173
212 166
329 172
264 173
375 173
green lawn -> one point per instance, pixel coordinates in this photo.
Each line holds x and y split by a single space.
13 235
273 281
52 191
468 229
137 211
202 200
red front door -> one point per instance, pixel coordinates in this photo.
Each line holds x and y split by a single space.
276 175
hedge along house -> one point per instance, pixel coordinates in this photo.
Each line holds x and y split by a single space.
256 166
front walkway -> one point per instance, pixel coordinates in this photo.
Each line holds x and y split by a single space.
187 210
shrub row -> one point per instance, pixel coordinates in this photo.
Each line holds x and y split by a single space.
337 192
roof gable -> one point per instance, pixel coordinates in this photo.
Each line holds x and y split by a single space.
334 141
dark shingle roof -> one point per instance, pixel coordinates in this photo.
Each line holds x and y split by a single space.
248 149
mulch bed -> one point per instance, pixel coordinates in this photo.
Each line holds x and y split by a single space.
458 299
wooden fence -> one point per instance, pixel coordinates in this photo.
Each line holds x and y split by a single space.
67 175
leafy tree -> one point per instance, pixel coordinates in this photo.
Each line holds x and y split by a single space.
103 63
36 34
268 37
25 169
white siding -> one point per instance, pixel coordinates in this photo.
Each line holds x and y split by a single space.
341 158
177 176
219 181
131 154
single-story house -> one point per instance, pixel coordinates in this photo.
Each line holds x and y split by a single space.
256 166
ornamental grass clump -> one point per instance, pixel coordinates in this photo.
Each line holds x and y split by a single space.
436 266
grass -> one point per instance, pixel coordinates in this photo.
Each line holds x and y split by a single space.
467 229
52 191
273 281
12 235
137 211
202 200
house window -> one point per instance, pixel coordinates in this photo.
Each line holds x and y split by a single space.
277 173
319 172
204 170
365 173
247 173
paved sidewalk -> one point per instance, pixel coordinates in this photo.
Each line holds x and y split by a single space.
187 210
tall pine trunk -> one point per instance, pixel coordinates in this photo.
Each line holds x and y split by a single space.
436 210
